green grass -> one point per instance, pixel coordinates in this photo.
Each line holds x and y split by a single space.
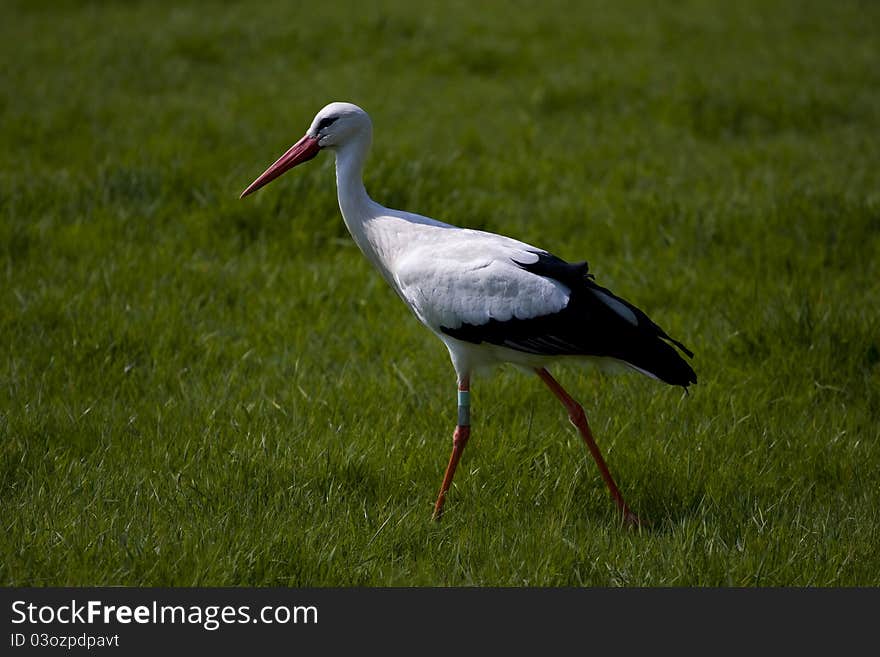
197 390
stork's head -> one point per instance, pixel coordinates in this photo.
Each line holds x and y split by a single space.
336 126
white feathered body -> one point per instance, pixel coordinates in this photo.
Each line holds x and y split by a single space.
485 295
449 276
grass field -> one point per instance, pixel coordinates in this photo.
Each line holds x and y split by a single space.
197 390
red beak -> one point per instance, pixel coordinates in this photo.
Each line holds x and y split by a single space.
302 151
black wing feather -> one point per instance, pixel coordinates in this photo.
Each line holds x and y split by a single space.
587 326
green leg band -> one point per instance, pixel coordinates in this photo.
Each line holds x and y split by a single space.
464 408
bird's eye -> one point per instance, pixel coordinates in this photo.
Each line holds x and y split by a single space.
324 123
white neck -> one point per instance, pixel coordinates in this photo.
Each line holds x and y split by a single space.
381 233
360 213
354 202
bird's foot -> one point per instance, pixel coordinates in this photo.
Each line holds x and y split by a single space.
632 521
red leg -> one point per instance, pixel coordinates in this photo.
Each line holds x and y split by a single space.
579 419
459 440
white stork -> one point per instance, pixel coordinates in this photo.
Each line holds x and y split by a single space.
490 299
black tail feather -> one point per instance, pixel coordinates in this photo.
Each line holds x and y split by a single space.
662 360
